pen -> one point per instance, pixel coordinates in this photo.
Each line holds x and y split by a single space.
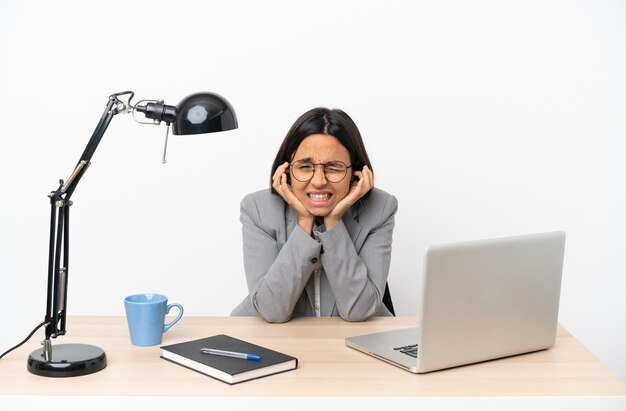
223 353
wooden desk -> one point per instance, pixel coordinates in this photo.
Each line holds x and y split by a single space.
326 368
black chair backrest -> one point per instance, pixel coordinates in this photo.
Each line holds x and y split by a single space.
387 300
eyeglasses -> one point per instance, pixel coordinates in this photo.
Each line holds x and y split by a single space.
304 170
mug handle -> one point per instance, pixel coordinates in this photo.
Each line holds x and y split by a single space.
175 320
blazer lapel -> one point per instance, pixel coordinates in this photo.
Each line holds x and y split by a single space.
351 221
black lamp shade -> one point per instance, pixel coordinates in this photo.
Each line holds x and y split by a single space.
204 113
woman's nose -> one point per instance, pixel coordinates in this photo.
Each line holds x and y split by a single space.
319 177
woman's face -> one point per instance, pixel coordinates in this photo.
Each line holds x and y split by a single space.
319 196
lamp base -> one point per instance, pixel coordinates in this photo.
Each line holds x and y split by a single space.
68 360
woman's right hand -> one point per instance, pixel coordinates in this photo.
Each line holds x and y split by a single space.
279 183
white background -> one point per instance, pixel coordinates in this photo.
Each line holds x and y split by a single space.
484 118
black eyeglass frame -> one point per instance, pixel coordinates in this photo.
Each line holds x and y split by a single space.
324 165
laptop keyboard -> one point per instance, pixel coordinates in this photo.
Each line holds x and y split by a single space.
410 350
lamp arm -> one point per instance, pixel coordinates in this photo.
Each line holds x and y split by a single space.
114 107
58 256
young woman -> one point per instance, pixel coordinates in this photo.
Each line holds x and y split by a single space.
319 242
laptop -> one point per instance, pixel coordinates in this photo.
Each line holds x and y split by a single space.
481 300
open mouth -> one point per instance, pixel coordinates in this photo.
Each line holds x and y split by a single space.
319 198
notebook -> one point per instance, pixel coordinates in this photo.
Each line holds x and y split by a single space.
228 369
480 300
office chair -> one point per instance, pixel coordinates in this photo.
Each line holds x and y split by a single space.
387 300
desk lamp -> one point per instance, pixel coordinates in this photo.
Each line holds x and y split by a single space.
197 113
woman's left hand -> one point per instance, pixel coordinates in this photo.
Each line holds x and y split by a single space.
358 189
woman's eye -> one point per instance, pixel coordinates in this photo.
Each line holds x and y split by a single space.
335 168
